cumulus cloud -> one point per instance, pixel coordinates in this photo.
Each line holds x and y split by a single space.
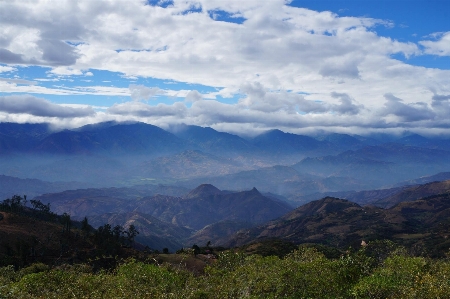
406 112
58 53
144 110
25 104
340 67
143 93
440 47
347 105
7 56
441 104
5 69
258 98
193 96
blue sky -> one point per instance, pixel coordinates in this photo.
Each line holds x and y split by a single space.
356 66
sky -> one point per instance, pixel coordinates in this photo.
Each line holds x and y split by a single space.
239 66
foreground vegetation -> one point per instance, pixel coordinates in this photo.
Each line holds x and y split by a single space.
379 270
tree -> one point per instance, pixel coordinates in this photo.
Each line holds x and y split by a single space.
66 222
39 206
196 249
85 227
14 204
131 234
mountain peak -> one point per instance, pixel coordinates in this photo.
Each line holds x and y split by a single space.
203 190
254 190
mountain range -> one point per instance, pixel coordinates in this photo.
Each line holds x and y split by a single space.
228 218
420 223
180 216
193 184
112 154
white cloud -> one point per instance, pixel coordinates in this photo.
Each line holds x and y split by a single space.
289 67
347 105
5 69
440 47
25 104
140 109
18 81
143 93
194 96
406 112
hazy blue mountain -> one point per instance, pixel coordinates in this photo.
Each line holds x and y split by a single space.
98 170
279 142
425 142
282 180
378 166
187 164
398 153
16 137
347 142
265 178
110 138
10 186
441 176
212 141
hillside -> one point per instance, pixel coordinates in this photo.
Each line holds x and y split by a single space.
421 224
27 237
84 202
153 233
155 214
415 192
206 208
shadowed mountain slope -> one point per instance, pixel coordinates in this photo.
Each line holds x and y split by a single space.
205 208
413 193
422 224
153 232
200 207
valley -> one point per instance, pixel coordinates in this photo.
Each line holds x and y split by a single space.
194 185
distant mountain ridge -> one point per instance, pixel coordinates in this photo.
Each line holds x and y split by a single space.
203 206
422 224
124 154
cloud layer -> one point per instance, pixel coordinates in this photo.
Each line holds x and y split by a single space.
273 65
25 104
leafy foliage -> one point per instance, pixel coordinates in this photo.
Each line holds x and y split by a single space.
304 273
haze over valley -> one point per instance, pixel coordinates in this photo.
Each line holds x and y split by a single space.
193 184
224 149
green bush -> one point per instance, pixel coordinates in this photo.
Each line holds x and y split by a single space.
305 273
397 278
